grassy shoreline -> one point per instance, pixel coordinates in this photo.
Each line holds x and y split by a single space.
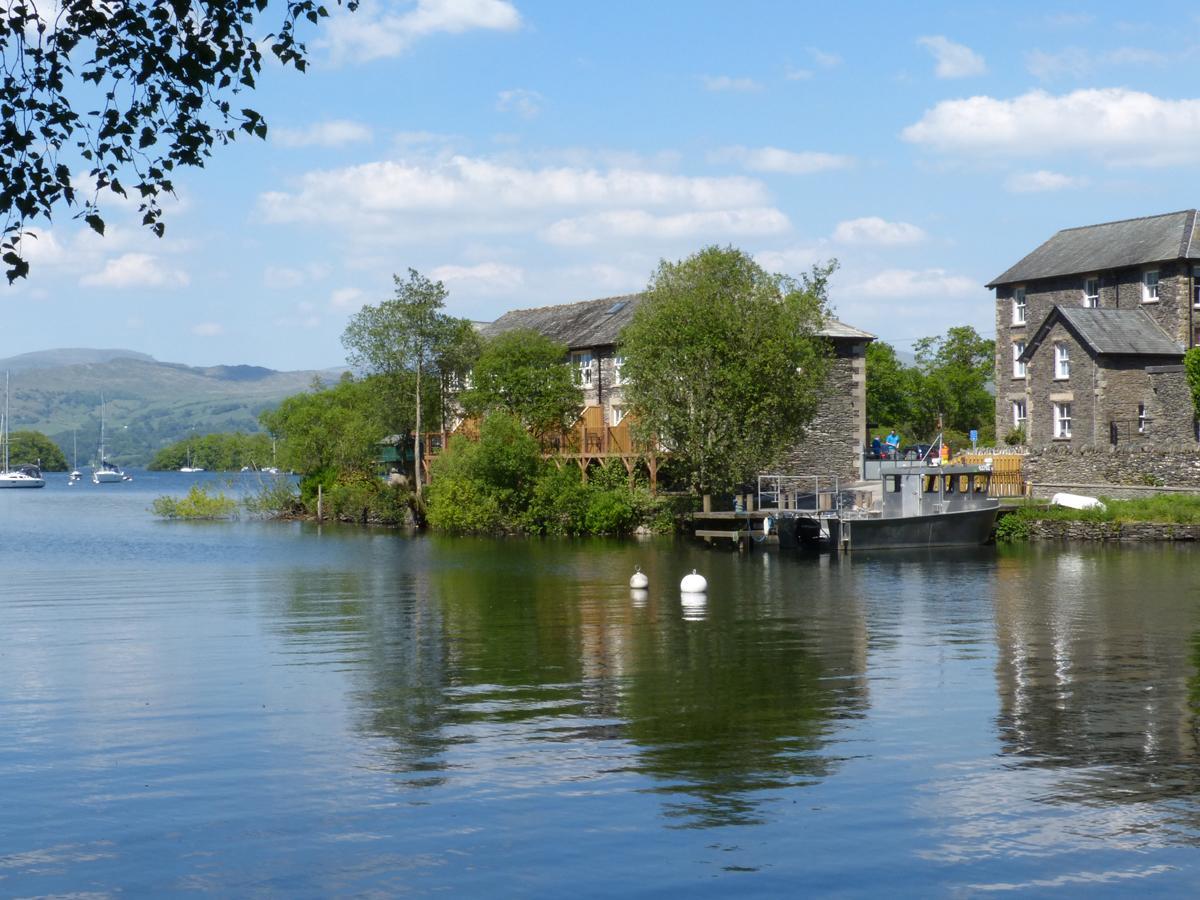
1159 509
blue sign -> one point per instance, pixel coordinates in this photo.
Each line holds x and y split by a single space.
974 436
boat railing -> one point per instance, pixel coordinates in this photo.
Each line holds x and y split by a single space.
816 495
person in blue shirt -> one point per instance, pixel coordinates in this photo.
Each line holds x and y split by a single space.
876 447
893 442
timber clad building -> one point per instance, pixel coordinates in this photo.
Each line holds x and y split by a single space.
832 442
1090 333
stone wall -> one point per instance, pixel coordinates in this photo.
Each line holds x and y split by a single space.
1146 463
833 441
1045 390
1060 530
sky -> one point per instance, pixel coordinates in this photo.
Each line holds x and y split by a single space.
532 152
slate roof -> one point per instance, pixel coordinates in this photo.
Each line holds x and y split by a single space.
1108 332
597 323
1111 245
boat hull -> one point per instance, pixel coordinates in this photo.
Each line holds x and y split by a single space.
107 477
962 528
23 481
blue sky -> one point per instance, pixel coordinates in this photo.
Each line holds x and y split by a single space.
529 153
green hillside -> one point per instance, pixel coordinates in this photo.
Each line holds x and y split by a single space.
149 404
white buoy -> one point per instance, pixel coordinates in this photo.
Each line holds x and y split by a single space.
695 606
694 583
638 581
639 597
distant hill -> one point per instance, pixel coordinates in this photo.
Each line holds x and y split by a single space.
148 404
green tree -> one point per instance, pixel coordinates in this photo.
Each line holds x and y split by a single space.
725 363
889 386
458 349
524 374
163 77
329 429
35 447
405 335
1191 363
953 374
222 452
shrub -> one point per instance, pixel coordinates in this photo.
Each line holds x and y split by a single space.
559 503
463 505
198 503
361 497
1013 527
610 512
275 498
1015 437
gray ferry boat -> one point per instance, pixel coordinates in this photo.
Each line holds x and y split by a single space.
915 504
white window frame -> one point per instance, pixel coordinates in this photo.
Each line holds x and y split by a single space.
1150 286
1142 418
1091 293
1062 420
1062 362
617 364
1196 287
1018 306
1020 413
1019 369
618 414
582 362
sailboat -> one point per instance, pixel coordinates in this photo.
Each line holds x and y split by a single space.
26 476
105 472
189 467
75 473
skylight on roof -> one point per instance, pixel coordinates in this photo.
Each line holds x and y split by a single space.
617 307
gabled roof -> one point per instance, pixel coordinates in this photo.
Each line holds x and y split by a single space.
1111 245
1108 332
597 323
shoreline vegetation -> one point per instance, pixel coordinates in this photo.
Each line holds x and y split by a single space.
1157 517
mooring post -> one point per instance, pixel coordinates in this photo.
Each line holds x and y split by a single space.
318 503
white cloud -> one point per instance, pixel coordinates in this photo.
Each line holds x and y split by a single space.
526 104
823 59
346 298
333 133
874 230
1119 126
487 276
479 194
1080 62
953 60
634 223
303 316
282 278
208 329
790 259
729 83
135 270
40 247
384 28
1041 180
907 284
789 162
792 74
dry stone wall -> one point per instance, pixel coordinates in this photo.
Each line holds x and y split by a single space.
1145 463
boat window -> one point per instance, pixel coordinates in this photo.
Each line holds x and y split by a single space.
981 484
931 484
893 483
948 482
964 484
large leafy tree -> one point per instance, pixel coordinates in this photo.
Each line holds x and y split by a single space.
334 428
954 370
889 386
523 373
127 92
406 335
35 447
725 363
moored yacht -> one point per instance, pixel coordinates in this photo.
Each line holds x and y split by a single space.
23 476
106 472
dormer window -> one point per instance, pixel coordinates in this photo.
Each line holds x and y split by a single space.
1018 306
1062 362
1150 286
1091 293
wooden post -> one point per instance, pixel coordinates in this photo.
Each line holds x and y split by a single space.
706 503
318 502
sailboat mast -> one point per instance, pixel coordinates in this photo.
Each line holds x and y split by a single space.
5 420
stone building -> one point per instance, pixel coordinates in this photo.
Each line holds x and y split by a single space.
1090 333
833 441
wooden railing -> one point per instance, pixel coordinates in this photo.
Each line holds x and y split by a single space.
1007 477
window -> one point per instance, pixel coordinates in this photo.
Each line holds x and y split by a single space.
618 365
1018 366
1091 293
582 363
1062 420
1020 413
1142 418
1196 286
1150 286
1019 306
1062 363
618 413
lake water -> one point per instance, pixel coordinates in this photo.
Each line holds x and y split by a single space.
277 709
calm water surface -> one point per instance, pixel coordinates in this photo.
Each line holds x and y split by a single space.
285 710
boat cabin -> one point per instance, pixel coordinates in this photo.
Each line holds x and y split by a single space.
926 490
